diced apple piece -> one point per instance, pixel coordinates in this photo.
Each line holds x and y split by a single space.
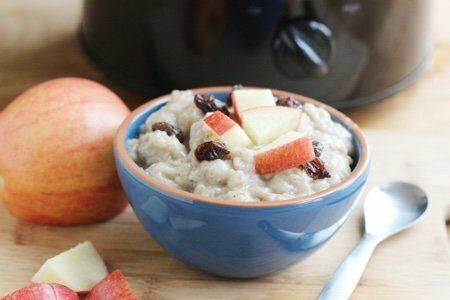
219 122
265 124
236 136
247 99
79 268
227 130
290 150
43 291
113 287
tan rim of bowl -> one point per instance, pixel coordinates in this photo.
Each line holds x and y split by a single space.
120 145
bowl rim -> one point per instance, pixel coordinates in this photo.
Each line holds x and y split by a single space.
125 158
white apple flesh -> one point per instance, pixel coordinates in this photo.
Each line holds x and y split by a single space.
264 124
250 98
79 268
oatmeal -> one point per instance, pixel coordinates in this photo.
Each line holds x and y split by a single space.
260 148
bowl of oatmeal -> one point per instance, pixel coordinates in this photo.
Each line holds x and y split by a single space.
240 182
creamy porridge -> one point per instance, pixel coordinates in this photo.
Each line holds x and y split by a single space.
282 149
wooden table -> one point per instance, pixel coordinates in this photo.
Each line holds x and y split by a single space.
409 134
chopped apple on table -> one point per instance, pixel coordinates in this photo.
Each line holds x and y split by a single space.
227 130
250 98
288 151
43 291
113 287
79 268
265 124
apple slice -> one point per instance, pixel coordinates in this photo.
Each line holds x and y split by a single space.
43 291
247 99
227 130
79 268
288 151
265 124
113 287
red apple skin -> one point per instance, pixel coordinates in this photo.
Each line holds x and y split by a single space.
113 287
56 159
285 157
43 291
219 122
237 113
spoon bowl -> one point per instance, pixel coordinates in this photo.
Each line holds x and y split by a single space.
392 207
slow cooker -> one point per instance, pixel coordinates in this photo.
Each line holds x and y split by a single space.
342 52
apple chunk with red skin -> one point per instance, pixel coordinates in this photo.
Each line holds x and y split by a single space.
43 291
56 154
288 151
265 124
227 130
113 287
245 99
79 268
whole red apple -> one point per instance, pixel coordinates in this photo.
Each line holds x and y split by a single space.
56 153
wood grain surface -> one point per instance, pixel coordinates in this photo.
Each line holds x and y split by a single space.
409 135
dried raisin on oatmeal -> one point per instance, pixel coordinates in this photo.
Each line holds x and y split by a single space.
169 129
207 103
288 102
211 150
318 148
316 169
234 88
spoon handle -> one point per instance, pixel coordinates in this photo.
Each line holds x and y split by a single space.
344 280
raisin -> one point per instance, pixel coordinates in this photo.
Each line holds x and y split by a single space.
211 151
318 148
316 169
288 101
234 88
225 111
207 103
169 129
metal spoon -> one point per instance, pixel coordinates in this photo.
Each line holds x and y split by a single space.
388 209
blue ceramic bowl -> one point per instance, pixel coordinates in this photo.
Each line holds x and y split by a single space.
237 239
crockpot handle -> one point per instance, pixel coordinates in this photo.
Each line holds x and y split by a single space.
303 45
